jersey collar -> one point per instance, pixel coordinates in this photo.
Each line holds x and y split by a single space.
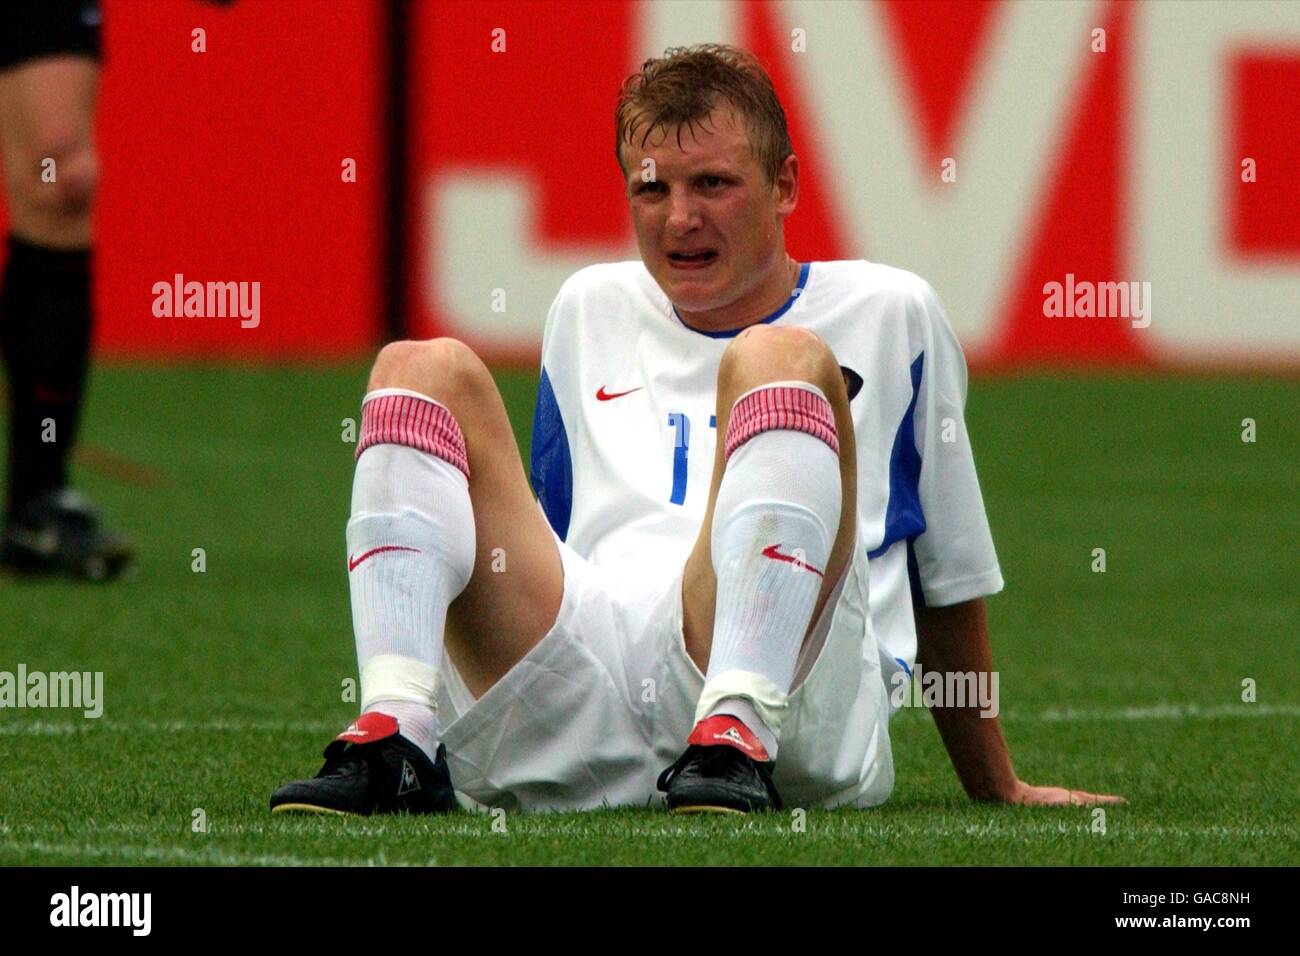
732 333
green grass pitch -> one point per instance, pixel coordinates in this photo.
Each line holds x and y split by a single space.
221 685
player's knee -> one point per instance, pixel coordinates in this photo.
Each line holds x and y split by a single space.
440 368
764 353
78 184
58 184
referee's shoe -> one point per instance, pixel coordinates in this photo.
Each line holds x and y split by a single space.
61 533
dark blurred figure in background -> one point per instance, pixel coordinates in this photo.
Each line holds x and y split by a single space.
49 77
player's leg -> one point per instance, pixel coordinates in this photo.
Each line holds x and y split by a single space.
47 136
439 498
777 535
51 173
499 615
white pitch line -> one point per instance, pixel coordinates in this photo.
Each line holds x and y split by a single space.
176 854
1160 712
1118 826
56 728
349 828
872 832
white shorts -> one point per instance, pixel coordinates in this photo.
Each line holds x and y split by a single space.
605 701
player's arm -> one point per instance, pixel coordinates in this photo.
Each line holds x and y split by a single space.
956 565
956 639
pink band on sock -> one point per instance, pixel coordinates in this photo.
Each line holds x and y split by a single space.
418 422
781 406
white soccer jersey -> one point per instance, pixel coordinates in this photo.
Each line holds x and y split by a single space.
624 434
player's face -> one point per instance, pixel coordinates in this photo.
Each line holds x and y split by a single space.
708 224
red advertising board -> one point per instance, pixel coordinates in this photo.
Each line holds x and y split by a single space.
226 166
1153 144
1092 144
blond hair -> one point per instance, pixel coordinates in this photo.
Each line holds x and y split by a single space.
686 84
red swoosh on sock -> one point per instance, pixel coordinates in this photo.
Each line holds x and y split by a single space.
353 562
771 552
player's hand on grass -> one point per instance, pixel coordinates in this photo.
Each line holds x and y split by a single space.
1031 796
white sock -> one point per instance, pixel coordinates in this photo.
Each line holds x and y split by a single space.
744 711
416 722
410 553
780 494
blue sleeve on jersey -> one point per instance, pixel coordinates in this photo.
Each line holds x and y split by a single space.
551 470
903 516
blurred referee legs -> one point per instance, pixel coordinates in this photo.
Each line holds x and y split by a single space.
49 78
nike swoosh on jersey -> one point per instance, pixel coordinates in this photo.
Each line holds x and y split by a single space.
353 562
604 396
773 551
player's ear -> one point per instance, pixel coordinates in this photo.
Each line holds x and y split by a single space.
787 184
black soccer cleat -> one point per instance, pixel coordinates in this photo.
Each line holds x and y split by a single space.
370 768
716 774
60 533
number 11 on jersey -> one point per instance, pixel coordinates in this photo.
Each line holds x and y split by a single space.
681 447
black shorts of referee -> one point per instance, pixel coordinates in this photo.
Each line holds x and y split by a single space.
32 29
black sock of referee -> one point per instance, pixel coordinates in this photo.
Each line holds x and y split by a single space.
45 342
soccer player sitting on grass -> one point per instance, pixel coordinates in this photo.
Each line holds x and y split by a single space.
747 517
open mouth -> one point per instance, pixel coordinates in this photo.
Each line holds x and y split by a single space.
692 260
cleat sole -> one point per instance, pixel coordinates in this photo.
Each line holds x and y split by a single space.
310 808
707 809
